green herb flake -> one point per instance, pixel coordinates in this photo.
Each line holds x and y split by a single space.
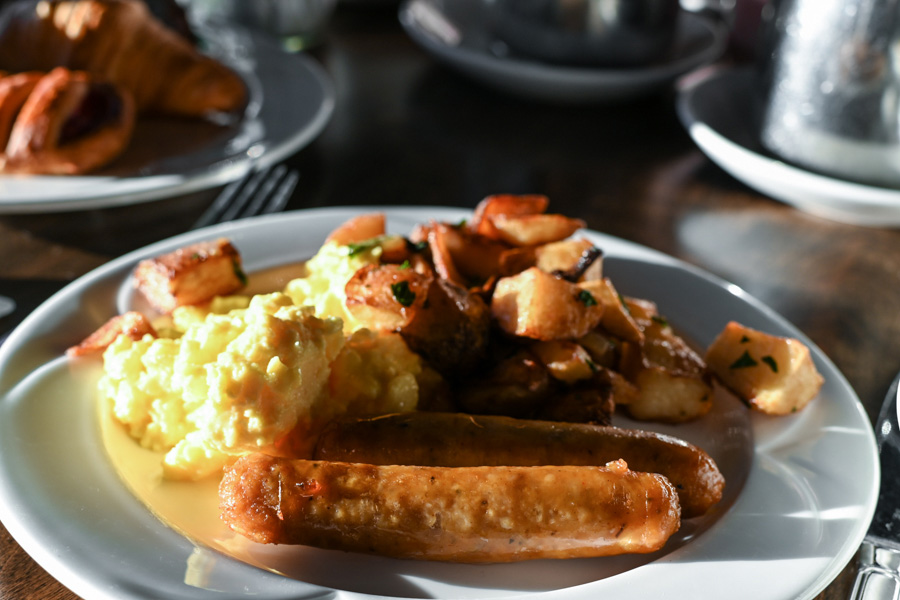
359 248
661 320
405 264
239 272
402 293
586 298
771 362
745 360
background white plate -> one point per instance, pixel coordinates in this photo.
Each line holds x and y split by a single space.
700 41
810 489
291 101
719 108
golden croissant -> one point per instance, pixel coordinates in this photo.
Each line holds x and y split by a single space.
121 42
61 122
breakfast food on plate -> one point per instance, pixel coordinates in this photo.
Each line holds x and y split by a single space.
352 408
190 275
467 514
773 374
121 42
63 122
441 439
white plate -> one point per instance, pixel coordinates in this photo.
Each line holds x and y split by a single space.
456 32
719 108
800 492
291 101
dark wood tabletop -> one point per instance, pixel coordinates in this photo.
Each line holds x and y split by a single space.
408 131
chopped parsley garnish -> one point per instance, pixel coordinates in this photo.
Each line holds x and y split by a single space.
745 360
358 248
239 272
405 264
661 320
402 293
586 298
771 362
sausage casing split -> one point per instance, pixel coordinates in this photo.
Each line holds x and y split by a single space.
463 514
459 440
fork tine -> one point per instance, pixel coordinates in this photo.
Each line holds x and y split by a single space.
257 192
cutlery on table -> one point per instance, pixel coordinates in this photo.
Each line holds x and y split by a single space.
879 556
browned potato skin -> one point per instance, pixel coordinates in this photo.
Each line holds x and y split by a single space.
460 440
133 324
191 275
468 514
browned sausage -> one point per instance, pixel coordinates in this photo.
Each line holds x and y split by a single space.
463 514
459 440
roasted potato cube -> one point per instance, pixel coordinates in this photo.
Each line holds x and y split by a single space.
133 324
358 229
541 306
534 230
504 204
568 256
191 275
671 377
564 360
667 396
775 375
617 318
386 297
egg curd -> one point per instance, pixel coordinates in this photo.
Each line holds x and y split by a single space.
259 373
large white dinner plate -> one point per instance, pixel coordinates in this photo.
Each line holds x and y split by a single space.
291 100
720 110
457 33
801 489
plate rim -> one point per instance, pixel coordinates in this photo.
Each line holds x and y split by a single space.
19 336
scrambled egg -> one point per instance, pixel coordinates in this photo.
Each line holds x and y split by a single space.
257 374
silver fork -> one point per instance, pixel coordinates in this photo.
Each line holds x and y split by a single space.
258 192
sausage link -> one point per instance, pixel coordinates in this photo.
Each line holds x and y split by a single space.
460 440
464 514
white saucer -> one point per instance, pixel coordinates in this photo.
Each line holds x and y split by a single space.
717 108
456 32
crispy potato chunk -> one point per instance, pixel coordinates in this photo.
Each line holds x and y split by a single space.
538 305
358 229
190 275
569 257
671 378
774 375
505 205
566 361
132 324
534 230
386 297
617 319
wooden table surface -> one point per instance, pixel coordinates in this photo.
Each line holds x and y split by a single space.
408 131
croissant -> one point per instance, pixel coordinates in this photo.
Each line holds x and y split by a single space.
62 122
119 41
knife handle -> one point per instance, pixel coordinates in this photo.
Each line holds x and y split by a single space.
879 573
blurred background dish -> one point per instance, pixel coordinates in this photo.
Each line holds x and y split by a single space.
611 33
720 110
458 33
291 101
298 24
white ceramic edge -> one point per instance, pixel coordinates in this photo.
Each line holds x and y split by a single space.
559 83
130 191
682 574
834 199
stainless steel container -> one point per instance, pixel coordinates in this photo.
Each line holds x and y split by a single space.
831 88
